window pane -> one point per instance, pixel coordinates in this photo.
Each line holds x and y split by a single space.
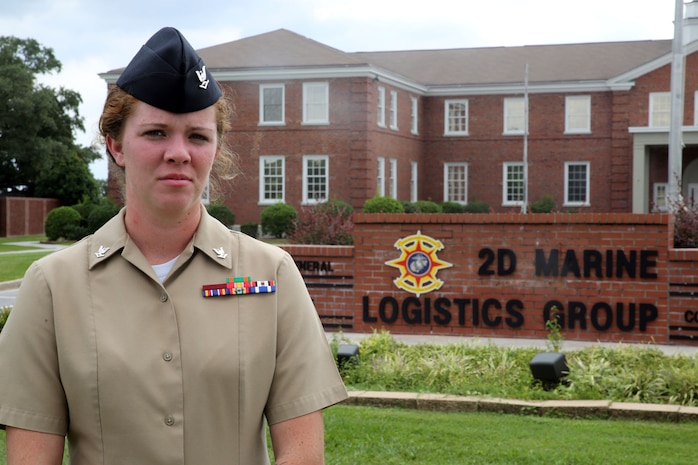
457 117
660 105
456 181
316 102
514 183
577 183
578 114
514 115
316 179
273 179
273 104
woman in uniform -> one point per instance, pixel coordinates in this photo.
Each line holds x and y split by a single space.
165 338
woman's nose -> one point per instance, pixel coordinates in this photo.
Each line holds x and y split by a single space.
177 151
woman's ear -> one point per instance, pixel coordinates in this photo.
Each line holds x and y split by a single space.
115 149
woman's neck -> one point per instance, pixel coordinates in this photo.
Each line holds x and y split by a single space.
161 239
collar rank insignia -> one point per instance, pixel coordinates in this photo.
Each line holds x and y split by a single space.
101 251
238 286
220 253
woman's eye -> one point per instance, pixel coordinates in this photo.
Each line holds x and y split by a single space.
155 133
200 137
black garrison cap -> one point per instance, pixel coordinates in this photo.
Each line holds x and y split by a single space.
167 73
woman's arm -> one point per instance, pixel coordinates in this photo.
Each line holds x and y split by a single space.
26 447
298 441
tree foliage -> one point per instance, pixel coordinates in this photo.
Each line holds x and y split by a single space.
37 125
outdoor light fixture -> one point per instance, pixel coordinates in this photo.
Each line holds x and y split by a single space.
549 367
345 352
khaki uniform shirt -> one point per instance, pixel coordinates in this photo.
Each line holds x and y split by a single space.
136 371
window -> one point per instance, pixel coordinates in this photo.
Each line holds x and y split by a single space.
513 184
415 116
393 110
456 117
456 182
660 109
393 178
659 200
576 183
514 116
578 114
414 178
695 109
316 178
316 103
271 104
271 179
380 177
381 107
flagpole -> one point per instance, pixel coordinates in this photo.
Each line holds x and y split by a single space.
677 90
524 205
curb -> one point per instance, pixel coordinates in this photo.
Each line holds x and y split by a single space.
561 408
7 285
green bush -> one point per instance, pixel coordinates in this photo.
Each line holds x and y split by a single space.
451 207
250 229
62 222
4 313
222 213
100 215
383 205
476 206
546 204
278 219
408 207
427 206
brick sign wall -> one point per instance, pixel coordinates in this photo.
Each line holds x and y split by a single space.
613 277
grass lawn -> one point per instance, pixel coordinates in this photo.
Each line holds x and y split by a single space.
13 266
368 435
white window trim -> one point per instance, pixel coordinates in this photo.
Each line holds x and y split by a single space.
652 103
505 185
380 177
306 159
325 119
447 104
578 98
506 130
445 181
381 107
655 195
262 88
393 178
414 181
393 110
695 109
414 129
586 202
271 158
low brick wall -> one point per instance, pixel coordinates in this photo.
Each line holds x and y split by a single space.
21 216
612 277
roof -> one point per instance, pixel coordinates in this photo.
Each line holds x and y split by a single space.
284 49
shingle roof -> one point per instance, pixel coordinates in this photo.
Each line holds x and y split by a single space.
458 66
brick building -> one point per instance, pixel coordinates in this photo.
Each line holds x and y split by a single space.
313 122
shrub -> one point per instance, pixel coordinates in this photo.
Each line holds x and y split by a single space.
408 207
222 213
324 223
4 313
278 219
546 204
427 206
383 205
451 207
100 215
61 222
250 229
476 206
685 224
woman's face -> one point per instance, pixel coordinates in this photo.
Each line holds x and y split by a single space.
167 158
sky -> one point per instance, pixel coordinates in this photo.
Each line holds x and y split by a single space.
94 36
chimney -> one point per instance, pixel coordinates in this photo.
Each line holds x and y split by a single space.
690 22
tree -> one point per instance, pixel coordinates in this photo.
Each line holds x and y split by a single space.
37 124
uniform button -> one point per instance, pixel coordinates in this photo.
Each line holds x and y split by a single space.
167 356
169 421
163 297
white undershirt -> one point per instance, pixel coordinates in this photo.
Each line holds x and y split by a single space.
163 269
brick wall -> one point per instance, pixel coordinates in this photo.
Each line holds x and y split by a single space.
613 276
21 216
